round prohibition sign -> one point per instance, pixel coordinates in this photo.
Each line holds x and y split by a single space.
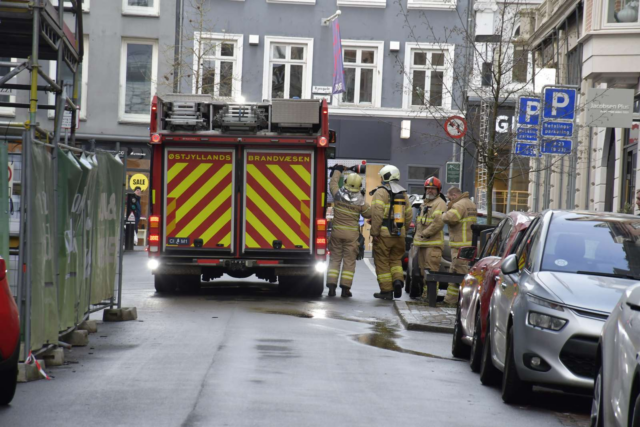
455 127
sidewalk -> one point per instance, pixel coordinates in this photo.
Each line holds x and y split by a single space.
417 316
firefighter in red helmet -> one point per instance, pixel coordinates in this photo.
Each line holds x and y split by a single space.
429 235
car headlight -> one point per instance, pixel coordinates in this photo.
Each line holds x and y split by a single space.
153 264
321 267
544 303
545 321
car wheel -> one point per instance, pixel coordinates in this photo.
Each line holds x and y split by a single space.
514 390
635 417
458 348
475 360
164 284
596 404
314 286
8 379
489 374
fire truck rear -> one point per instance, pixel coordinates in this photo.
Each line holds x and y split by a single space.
238 189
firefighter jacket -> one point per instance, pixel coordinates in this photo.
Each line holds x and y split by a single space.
381 221
459 217
429 224
346 216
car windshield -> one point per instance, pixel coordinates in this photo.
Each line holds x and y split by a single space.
590 245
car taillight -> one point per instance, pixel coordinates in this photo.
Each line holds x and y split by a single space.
406 260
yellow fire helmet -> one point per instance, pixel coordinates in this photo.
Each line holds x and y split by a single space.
353 182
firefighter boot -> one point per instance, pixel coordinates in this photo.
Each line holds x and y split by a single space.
397 288
346 292
384 295
332 290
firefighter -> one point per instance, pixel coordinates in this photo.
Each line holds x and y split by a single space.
344 244
390 215
462 213
429 236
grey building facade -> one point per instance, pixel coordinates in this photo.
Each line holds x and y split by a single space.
262 49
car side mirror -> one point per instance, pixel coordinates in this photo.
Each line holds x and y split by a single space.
467 253
3 269
510 265
633 307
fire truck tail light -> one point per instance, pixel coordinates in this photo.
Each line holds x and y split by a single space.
321 241
321 224
154 221
154 239
155 138
153 249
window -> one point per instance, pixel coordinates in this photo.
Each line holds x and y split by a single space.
520 66
529 245
138 73
85 4
7 95
417 175
220 67
141 7
362 73
310 2
428 76
622 12
487 74
363 3
431 4
287 72
501 236
67 77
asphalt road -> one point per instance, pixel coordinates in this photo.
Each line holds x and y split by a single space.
240 355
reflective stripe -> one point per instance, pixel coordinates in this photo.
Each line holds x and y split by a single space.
345 227
460 244
456 212
437 212
347 211
428 243
378 202
396 269
384 276
470 219
453 291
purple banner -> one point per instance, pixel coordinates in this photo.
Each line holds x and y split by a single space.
338 71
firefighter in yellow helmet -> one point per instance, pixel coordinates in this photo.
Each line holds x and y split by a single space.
429 235
344 245
390 216
461 215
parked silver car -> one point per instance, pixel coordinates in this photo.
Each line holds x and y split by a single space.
616 395
552 299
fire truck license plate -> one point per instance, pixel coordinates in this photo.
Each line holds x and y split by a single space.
179 241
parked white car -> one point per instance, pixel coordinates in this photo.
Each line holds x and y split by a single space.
616 396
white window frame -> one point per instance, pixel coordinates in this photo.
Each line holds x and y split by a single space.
307 2
136 118
85 4
238 40
363 3
448 50
10 111
267 71
378 46
432 4
615 25
53 73
141 10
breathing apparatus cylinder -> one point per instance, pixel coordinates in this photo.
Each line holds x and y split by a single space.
399 204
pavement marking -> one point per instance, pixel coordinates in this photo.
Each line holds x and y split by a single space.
371 266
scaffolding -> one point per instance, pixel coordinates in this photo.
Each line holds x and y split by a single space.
481 187
35 30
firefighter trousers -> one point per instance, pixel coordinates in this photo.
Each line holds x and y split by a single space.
345 252
457 266
387 256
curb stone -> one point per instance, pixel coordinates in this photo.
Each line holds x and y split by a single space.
420 317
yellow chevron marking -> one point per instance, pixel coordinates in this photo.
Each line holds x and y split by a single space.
260 228
223 220
293 211
250 243
172 206
188 181
206 212
303 172
175 170
205 189
226 240
275 218
288 182
305 209
171 226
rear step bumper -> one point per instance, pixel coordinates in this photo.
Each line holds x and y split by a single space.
198 266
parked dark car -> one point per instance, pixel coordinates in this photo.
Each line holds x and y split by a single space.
9 339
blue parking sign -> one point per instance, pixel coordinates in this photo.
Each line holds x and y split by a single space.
529 111
556 146
525 150
527 134
559 103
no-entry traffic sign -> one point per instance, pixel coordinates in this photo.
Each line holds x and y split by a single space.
455 127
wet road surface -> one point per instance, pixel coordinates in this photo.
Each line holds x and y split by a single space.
238 354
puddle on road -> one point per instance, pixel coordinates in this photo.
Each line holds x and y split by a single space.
384 333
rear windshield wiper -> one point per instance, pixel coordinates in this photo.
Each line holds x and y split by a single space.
599 273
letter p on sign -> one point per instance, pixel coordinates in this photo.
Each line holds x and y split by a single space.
559 103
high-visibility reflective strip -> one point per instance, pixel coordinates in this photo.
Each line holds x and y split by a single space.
460 244
175 170
185 207
189 180
345 227
428 243
437 212
470 219
456 212
347 211
378 202
396 269
384 276
348 273
453 291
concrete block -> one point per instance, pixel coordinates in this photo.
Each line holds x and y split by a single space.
90 326
27 373
77 338
120 314
54 357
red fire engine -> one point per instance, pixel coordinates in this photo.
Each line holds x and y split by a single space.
238 189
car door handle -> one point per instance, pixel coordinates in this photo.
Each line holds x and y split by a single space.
503 285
